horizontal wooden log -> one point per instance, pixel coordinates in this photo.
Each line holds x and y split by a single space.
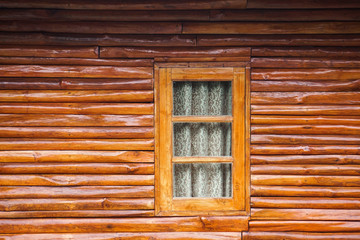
75 61
78 108
142 52
316 120
266 4
77 214
49 52
44 120
305 149
85 168
66 204
267 28
299 236
77 132
330 170
305 214
73 180
92 27
75 83
266 40
298 180
70 39
116 15
305 159
290 191
303 63
345 110
76 96
34 192
75 71
76 156
305 98
326 52
306 202
305 74
275 15
162 224
305 86
305 226
130 236
75 144
304 139
305 129
129 4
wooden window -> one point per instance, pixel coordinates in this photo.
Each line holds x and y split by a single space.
201 141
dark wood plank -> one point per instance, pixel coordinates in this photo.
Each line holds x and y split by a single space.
326 52
278 62
305 74
270 4
49 51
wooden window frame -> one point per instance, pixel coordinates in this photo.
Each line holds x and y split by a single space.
165 204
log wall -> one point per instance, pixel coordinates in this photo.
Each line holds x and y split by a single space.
77 115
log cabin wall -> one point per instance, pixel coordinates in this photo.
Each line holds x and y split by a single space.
77 115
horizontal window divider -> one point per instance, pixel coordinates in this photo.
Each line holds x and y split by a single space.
202 118
195 159
202 80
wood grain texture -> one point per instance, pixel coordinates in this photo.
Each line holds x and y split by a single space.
304 139
305 149
305 74
305 129
48 51
343 170
278 62
266 4
311 120
290 191
75 71
76 156
326 52
305 159
299 236
84 192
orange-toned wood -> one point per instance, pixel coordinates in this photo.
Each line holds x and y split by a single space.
202 74
305 159
326 52
316 120
283 62
305 129
304 139
305 149
318 191
299 235
329 170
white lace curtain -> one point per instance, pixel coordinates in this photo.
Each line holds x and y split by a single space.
202 139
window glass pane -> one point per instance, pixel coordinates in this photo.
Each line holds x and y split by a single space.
202 98
202 139
203 180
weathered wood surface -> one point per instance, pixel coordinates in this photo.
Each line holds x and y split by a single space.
318 191
305 149
297 110
278 62
330 170
76 156
349 53
316 120
300 235
49 52
304 139
280 4
305 159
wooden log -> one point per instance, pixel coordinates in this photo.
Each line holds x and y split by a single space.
305 86
95 27
290 191
305 159
316 120
75 180
118 16
75 83
305 149
305 98
75 61
264 40
76 156
304 139
76 96
49 52
77 214
75 71
75 144
129 4
306 202
78 108
298 180
352 170
264 28
305 129
34 192
66 204
44 120
77 132
298 236
142 52
326 52
305 214
58 225
130 236
85 168
248 15
266 4
103 39
305 226
305 74
303 63
345 110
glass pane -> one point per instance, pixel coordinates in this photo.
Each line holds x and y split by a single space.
202 98
202 139
212 180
